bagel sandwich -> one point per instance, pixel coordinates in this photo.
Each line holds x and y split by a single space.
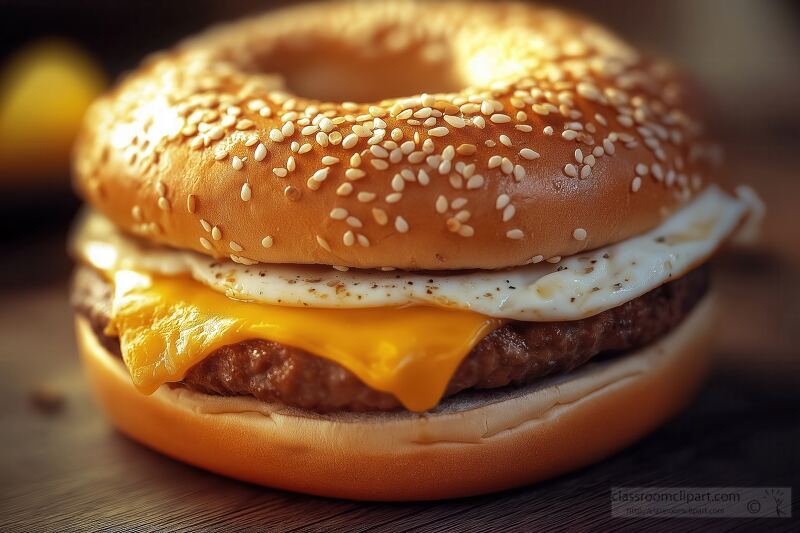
398 250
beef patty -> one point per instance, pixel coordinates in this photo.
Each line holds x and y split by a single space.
513 354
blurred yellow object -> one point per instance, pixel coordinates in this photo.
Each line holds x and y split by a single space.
45 89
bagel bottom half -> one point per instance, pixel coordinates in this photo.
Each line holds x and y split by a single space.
473 443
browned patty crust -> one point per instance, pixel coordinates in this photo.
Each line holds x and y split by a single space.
513 354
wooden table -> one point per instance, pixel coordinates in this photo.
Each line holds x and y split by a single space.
69 469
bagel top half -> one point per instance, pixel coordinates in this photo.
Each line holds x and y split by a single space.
422 136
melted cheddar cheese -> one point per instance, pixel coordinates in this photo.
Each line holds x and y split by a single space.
168 324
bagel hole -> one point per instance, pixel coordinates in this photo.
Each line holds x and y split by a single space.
330 72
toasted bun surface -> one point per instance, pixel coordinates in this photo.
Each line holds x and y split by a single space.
517 134
471 444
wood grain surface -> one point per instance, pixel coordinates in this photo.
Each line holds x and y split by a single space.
62 467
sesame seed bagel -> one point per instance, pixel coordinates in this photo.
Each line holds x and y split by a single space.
406 135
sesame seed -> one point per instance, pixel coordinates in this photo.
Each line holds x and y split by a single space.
353 221
329 160
441 204
267 241
205 243
529 154
163 204
508 212
280 172
658 172
323 243
585 171
216 234
317 178
569 135
449 152
502 201
571 170
338 213
354 174
499 118
515 234
466 149
537 259
191 203
642 169
235 246
362 240
361 131
554 259
475 182
244 124
275 135
261 152
466 230
365 196
441 131
548 130
344 189
423 178
380 216
505 140
349 238
379 151
458 203
400 224
636 184
579 234
495 161
246 192
456 122
237 163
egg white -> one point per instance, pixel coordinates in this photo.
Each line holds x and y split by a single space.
574 288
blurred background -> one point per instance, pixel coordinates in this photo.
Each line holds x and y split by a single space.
55 56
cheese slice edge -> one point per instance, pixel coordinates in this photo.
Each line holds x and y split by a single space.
167 324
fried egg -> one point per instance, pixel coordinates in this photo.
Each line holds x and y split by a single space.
575 287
